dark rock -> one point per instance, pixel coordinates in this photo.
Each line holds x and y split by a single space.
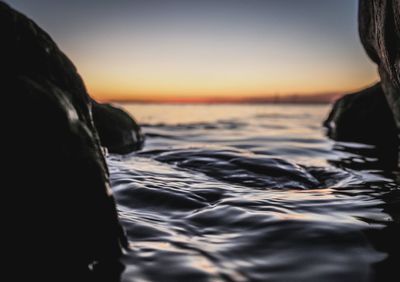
64 224
118 131
363 117
379 27
372 115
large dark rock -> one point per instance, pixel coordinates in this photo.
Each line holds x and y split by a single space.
118 131
379 27
63 222
372 115
363 117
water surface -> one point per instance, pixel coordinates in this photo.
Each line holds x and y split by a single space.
253 193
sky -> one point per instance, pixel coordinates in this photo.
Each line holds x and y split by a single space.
195 50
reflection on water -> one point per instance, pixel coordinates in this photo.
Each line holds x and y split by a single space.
253 193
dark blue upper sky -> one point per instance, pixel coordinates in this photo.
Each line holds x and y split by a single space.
216 48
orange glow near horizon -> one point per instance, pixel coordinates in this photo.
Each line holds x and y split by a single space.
190 81
168 68
209 50
183 89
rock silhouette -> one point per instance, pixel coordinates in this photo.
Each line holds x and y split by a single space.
67 226
379 28
372 115
363 117
118 132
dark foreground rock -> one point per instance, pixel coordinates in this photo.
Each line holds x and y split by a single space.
363 117
118 131
62 224
372 115
379 27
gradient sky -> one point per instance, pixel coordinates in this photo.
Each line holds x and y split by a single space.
150 49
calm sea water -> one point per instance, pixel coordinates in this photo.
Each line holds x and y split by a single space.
253 193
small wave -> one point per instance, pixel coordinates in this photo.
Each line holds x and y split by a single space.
240 168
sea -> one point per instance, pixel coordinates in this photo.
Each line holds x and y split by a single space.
241 193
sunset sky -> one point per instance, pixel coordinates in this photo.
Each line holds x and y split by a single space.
193 50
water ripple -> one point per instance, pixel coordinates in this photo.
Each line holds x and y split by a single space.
261 198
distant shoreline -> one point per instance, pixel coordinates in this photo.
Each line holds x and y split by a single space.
216 103
327 98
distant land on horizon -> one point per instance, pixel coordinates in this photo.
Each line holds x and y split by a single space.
270 99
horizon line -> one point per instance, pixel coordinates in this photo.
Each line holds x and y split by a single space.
275 99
